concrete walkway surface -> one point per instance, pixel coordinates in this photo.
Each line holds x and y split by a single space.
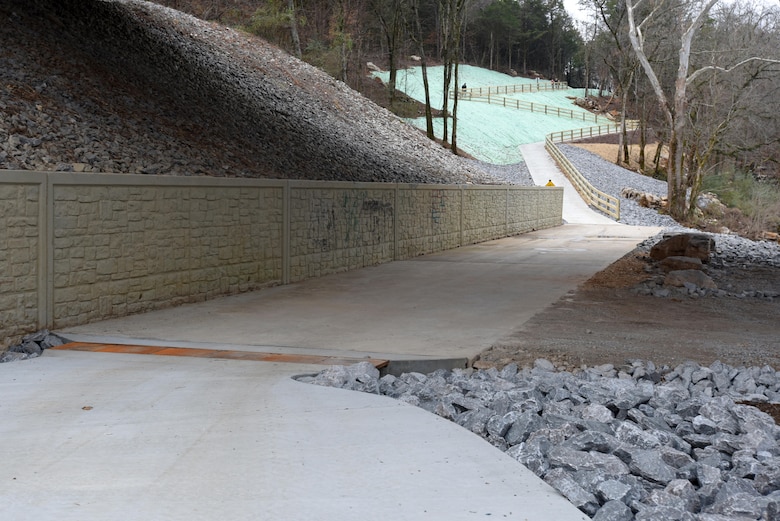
448 305
543 169
95 436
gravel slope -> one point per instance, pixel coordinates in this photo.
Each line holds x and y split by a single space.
132 87
612 179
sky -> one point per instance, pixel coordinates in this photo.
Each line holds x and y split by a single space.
578 14
575 11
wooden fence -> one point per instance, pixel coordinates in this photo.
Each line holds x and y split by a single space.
518 104
606 203
512 89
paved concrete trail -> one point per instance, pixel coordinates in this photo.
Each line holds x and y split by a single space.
93 436
543 169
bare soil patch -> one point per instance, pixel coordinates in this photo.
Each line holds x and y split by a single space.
609 152
606 321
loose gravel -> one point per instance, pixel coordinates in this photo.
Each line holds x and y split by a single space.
636 442
189 97
612 179
514 174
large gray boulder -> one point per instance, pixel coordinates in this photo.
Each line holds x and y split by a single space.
697 245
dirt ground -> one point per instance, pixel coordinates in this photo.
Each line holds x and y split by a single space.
608 152
606 321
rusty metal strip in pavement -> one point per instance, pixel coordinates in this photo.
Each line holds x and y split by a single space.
216 353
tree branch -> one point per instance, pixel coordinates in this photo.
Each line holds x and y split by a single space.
701 71
649 17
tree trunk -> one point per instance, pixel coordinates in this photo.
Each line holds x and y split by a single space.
424 66
446 13
659 148
491 50
674 178
446 104
622 153
427 88
454 140
392 29
452 17
676 115
296 39
642 144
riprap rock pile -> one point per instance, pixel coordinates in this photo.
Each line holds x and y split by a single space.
635 442
685 264
31 346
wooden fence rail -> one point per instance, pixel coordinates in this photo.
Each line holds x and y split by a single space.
603 202
513 89
531 106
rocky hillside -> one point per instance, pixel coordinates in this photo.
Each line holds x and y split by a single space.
133 87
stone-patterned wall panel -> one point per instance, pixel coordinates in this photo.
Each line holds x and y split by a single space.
19 236
335 229
428 220
523 210
129 249
485 212
120 247
550 203
534 209
236 240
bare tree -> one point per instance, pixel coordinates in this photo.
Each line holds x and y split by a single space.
273 21
451 18
293 20
676 111
460 22
391 17
621 63
345 31
417 37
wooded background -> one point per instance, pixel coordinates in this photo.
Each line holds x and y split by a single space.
712 94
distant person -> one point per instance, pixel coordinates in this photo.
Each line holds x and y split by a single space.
550 183
463 87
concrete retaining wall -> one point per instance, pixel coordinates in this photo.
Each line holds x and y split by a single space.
21 228
76 248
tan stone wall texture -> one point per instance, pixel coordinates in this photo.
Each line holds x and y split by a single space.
337 227
127 249
429 219
19 234
76 248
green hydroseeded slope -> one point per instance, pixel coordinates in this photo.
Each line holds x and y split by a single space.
488 132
